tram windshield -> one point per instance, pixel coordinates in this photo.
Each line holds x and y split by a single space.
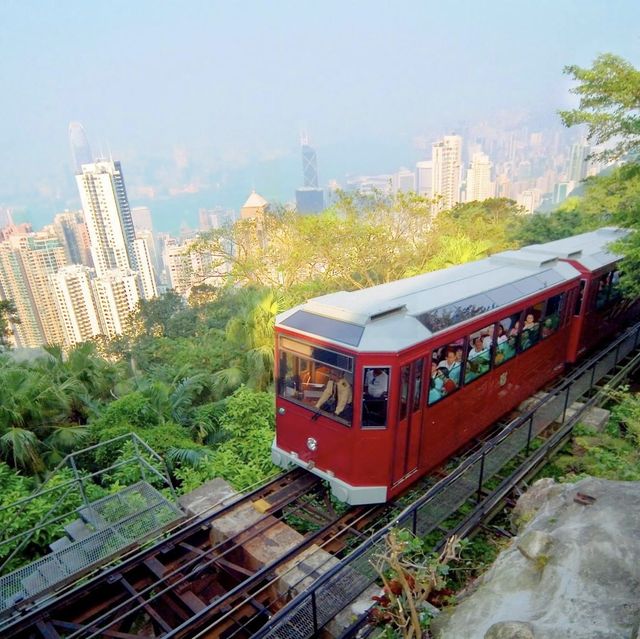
318 378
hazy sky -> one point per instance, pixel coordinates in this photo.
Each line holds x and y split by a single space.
238 80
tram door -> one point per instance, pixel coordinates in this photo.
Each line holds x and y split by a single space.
409 420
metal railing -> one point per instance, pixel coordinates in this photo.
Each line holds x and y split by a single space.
307 613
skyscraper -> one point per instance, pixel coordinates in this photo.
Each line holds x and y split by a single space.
27 261
424 175
309 163
80 149
446 158
404 181
108 216
578 162
309 198
479 185
72 286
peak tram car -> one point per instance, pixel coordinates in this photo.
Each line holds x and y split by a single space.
378 386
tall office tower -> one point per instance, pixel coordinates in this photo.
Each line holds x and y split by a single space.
446 158
141 216
72 287
578 163
71 229
309 163
424 178
116 294
404 181
309 198
479 185
80 149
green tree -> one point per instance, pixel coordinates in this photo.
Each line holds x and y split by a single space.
609 104
8 315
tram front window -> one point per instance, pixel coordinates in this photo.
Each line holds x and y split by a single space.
374 400
317 378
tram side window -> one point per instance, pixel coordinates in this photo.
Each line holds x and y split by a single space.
446 370
315 384
530 333
375 397
608 291
580 298
479 355
553 315
506 339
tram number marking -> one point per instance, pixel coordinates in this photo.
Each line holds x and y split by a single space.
503 379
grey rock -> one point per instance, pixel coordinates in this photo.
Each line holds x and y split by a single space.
510 630
535 545
590 585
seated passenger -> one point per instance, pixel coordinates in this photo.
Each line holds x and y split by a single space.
337 396
452 362
448 385
505 350
529 322
487 339
378 383
478 348
502 335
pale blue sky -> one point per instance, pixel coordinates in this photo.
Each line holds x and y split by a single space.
238 80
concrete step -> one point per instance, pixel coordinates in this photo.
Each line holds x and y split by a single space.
78 530
60 544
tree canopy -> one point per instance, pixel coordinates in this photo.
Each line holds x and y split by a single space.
609 94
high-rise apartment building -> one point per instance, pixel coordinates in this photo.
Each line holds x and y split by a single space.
116 295
578 163
70 228
111 231
145 268
404 181
447 158
27 261
479 184
109 222
424 178
72 286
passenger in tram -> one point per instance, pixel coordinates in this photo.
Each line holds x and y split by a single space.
502 335
337 396
378 383
487 338
513 331
448 385
505 350
529 322
436 390
478 348
453 364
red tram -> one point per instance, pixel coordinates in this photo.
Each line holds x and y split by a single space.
378 386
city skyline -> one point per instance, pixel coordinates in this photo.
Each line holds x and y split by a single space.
365 100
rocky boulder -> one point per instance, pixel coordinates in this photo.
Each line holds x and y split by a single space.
573 571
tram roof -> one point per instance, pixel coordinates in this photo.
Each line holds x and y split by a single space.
588 249
394 316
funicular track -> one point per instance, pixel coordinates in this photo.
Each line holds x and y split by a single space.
191 584
470 495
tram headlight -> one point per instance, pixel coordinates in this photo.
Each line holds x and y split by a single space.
312 444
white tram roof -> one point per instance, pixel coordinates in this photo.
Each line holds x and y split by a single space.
588 249
395 316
